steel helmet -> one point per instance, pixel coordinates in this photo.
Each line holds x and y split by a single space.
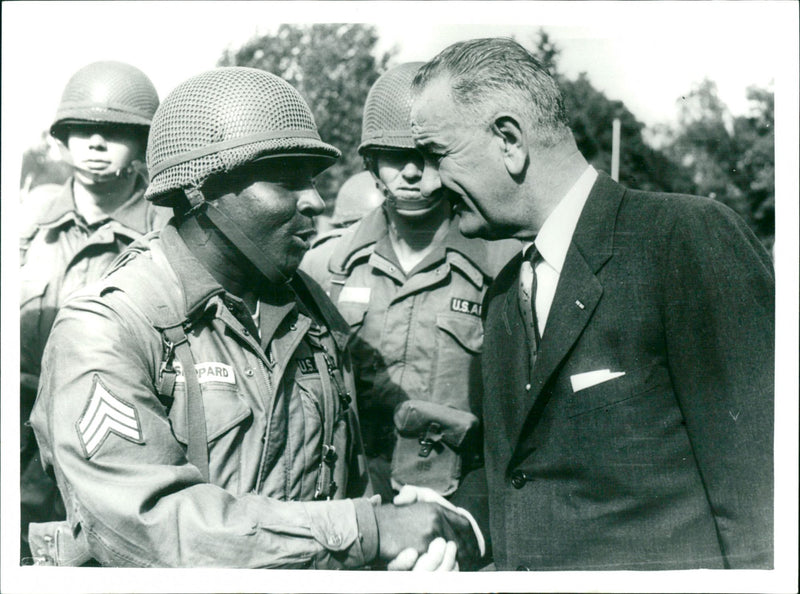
387 126
357 196
222 119
106 93
387 112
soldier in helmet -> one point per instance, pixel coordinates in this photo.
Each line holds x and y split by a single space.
357 196
207 416
76 230
410 286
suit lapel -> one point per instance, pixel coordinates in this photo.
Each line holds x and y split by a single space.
577 295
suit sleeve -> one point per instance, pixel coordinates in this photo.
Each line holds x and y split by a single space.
719 317
126 480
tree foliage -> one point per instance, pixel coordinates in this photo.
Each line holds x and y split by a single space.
333 67
39 167
591 115
708 152
732 159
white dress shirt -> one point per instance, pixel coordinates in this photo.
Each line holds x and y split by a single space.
553 243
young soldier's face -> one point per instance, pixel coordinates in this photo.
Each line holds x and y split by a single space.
102 150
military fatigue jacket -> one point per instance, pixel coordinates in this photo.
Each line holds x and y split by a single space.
119 452
60 252
416 335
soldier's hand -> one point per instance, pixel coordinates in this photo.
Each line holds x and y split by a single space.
415 525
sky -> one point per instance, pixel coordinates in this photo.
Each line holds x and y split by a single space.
646 54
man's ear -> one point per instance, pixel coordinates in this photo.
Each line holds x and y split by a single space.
514 144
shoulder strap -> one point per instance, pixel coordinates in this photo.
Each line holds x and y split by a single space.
172 326
325 483
176 342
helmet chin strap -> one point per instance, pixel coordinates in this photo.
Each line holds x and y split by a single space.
122 173
396 203
231 231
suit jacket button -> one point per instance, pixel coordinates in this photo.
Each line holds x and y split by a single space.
518 479
523 568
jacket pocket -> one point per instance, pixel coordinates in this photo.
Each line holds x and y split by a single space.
224 411
353 313
614 392
467 331
455 372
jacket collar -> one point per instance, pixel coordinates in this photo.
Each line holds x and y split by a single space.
594 234
199 287
132 214
375 226
196 282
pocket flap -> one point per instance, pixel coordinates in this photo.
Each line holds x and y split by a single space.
352 313
224 410
467 330
412 417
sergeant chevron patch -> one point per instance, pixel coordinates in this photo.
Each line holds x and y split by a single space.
105 414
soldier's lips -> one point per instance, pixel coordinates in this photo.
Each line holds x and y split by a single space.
408 194
96 164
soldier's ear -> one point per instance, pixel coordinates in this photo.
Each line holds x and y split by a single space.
513 143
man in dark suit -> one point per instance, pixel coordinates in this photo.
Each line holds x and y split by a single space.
628 352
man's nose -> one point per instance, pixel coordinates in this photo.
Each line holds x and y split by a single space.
431 182
309 202
412 170
97 141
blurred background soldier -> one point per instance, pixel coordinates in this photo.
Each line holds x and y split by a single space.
410 286
76 230
358 196
206 417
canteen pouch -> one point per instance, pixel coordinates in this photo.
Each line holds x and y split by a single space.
428 450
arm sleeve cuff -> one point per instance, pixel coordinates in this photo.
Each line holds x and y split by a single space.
367 529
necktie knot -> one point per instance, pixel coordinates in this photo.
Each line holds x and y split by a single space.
532 254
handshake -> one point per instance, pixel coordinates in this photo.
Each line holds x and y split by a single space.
422 531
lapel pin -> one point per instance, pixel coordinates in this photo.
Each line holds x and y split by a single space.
579 304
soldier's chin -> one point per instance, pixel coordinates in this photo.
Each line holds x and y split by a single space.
414 209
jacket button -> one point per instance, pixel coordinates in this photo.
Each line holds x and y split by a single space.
523 568
518 479
248 372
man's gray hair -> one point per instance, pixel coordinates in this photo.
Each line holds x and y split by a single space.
494 74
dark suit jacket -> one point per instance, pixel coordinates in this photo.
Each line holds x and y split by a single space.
670 465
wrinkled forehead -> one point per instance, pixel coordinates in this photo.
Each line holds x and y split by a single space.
434 95
432 107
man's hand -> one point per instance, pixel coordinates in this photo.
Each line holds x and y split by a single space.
441 556
416 525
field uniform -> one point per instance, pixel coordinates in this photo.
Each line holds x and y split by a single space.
417 336
275 393
61 253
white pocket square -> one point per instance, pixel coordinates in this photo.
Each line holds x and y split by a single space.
581 381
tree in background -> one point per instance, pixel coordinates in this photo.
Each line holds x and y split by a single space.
730 159
333 67
591 115
709 152
39 166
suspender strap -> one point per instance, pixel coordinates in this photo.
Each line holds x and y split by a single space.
197 439
326 486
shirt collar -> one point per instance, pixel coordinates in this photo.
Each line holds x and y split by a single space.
556 233
375 227
132 214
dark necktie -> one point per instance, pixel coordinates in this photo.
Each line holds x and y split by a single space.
534 257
